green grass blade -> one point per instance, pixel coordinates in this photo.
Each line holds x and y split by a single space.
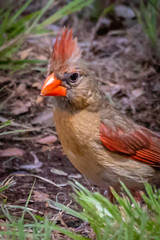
5 124
66 10
35 22
17 131
19 12
28 199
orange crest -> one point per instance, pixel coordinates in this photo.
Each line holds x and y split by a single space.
66 51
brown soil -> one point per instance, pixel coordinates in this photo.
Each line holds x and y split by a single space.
128 74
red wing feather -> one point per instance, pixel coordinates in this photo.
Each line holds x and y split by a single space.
141 145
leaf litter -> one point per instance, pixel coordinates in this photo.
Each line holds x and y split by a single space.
123 63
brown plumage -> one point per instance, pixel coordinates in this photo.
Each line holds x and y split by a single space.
101 143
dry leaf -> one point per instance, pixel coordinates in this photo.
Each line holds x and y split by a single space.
76 176
40 196
137 92
21 90
156 87
39 99
21 107
37 164
42 57
47 140
124 11
46 148
25 53
59 172
115 89
3 227
46 116
4 79
31 166
11 152
37 85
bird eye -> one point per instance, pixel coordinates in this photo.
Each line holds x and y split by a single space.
74 77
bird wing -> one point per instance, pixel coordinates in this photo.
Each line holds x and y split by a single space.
138 144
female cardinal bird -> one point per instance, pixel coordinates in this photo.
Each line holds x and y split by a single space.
101 143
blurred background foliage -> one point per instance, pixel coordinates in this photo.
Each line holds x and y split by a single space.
17 25
21 19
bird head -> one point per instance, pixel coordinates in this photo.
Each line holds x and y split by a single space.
68 78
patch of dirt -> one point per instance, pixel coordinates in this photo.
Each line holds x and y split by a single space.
127 73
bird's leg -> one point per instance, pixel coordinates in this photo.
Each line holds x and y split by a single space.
137 195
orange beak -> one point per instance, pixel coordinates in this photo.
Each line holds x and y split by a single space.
53 87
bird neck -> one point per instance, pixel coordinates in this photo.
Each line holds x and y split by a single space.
93 103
